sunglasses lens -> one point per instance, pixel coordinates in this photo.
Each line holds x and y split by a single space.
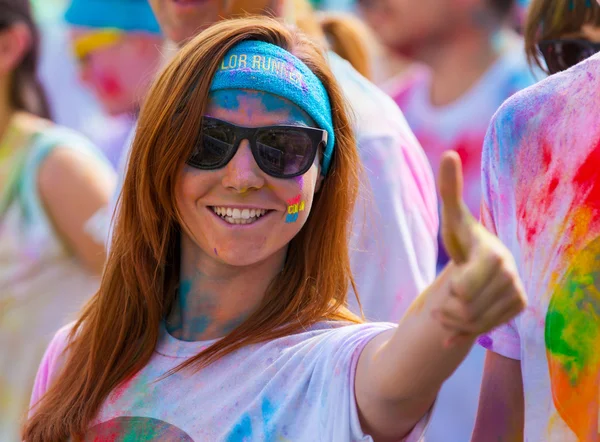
216 146
284 152
561 55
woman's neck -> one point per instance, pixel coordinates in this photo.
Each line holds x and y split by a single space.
458 64
214 298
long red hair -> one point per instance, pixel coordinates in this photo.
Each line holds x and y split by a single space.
118 330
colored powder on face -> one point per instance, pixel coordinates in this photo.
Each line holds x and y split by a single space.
110 85
294 207
572 337
199 324
216 252
300 181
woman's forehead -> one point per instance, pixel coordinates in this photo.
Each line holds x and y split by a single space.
255 108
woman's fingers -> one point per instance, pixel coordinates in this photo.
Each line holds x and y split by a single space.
477 308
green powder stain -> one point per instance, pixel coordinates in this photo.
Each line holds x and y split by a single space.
572 322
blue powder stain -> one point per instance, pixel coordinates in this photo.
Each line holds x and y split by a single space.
242 432
200 324
291 218
185 287
268 411
226 99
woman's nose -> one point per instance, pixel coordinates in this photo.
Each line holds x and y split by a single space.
242 173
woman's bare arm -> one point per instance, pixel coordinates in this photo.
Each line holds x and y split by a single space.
73 189
501 415
400 372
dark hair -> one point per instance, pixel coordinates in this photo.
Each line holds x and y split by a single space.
26 91
502 7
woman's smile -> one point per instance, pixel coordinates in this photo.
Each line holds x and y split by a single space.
240 215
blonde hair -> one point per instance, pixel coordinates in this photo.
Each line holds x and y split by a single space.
348 36
344 34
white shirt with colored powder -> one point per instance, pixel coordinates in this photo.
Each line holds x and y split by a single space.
295 388
541 196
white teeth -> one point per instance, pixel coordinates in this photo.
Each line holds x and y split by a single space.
239 216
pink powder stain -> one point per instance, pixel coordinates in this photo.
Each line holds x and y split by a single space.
110 85
216 252
300 181
295 200
587 182
537 196
118 392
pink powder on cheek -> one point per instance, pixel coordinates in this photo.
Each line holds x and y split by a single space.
300 181
110 85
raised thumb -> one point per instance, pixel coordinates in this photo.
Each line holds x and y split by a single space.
457 222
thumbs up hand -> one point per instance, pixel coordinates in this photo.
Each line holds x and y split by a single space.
484 288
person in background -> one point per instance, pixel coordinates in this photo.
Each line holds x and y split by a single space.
71 103
467 63
53 184
519 15
541 196
560 34
396 218
117 45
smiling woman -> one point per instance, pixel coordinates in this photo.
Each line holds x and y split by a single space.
222 312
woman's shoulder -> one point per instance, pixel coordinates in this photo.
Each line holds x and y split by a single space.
54 358
336 335
55 353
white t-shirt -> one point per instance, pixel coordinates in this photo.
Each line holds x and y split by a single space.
393 250
541 196
394 247
295 388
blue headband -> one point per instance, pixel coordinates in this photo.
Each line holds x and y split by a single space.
268 68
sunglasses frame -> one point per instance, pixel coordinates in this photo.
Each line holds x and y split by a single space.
544 45
318 138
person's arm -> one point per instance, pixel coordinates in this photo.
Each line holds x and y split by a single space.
400 372
73 188
501 415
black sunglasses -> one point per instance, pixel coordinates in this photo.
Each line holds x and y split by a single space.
279 151
562 54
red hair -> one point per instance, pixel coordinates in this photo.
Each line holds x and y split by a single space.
118 330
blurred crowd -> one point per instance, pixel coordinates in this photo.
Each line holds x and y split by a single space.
447 64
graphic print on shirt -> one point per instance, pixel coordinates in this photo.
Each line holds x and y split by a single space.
127 428
572 332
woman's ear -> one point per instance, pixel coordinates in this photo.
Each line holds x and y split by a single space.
319 181
14 44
